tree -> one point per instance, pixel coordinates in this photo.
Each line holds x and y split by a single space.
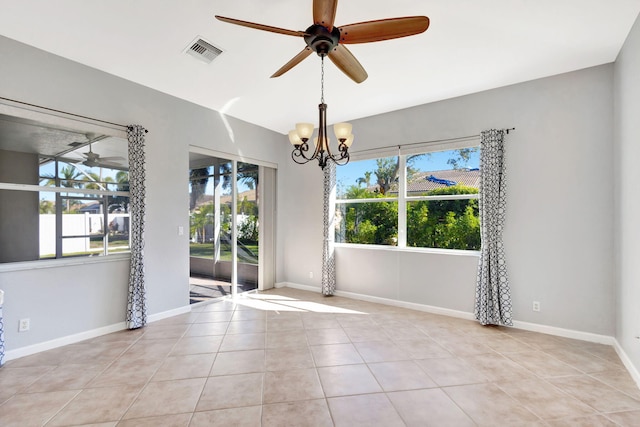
47 207
462 157
68 178
388 170
200 218
198 179
372 223
386 173
448 224
366 180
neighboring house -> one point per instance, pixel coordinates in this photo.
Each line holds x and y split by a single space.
427 181
422 182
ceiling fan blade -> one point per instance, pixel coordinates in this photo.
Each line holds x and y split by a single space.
348 64
111 158
383 29
293 62
261 27
324 12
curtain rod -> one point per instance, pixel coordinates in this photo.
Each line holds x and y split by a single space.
67 113
435 141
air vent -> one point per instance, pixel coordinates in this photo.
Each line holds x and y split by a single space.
203 50
75 144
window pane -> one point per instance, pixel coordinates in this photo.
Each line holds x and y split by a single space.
437 172
367 178
247 220
447 224
47 222
82 215
367 223
118 218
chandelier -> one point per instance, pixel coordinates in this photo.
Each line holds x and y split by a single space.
300 136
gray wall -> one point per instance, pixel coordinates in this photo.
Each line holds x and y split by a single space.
20 222
627 207
96 290
559 226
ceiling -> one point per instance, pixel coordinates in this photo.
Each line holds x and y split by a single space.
28 136
470 46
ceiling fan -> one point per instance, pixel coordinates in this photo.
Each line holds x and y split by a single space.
328 40
95 160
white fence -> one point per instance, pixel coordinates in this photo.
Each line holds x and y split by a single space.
77 225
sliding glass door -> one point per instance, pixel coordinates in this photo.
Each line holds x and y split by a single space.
225 215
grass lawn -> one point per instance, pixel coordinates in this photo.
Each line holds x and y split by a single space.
205 250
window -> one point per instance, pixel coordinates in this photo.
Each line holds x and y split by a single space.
62 193
422 199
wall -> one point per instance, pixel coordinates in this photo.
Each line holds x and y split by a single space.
559 226
627 206
40 78
19 231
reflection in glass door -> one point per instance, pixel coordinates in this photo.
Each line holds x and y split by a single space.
224 227
247 226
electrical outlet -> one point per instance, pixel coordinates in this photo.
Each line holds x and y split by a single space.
23 325
536 306
311 275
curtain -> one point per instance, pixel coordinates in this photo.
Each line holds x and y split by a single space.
136 305
493 297
1 329
328 251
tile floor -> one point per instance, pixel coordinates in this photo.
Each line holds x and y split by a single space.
293 358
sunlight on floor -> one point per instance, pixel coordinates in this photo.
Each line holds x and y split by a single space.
268 302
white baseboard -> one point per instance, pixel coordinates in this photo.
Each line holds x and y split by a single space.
565 333
169 313
66 340
534 327
633 371
410 305
82 336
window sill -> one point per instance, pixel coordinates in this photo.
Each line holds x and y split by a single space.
62 262
453 252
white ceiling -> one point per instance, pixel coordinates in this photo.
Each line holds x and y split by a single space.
470 46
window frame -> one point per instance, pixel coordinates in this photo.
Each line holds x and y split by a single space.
59 235
403 199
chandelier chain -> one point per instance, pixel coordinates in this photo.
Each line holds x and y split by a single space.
322 79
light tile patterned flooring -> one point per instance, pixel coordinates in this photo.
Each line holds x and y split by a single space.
293 358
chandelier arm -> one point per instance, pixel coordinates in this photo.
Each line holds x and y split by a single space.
299 153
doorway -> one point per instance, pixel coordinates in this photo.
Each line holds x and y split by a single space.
227 227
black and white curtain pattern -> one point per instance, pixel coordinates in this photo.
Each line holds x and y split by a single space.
1 330
493 297
136 305
328 250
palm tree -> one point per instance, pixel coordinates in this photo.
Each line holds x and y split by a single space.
68 178
366 180
198 179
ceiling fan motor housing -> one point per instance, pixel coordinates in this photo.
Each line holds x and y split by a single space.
321 40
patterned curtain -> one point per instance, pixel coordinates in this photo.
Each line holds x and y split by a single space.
493 297
1 329
136 305
328 252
